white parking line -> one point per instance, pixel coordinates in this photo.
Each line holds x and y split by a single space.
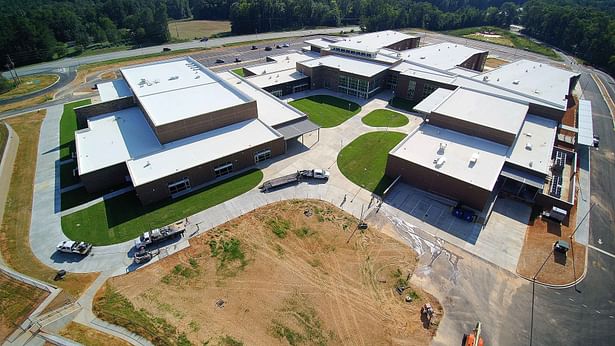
600 250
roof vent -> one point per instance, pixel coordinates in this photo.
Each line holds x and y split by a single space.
531 164
147 164
528 146
474 157
529 134
516 82
440 161
422 58
486 78
174 77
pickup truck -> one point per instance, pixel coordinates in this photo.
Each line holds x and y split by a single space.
316 173
77 247
159 234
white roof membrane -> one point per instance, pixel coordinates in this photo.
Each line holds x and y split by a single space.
360 67
586 126
533 146
113 90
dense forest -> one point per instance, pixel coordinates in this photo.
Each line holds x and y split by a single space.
40 30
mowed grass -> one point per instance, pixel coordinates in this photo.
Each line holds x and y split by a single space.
30 84
239 71
15 229
4 137
363 161
68 126
385 118
28 102
325 110
17 300
197 29
506 38
90 336
123 218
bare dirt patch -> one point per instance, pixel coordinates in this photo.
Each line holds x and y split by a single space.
288 273
495 62
538 250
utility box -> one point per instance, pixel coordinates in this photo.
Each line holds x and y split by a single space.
557 214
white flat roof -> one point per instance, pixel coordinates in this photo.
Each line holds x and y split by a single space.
586 127
532 78
190 152
443 55
459 150
322 42
267 80
463 71
178 89
347 64
484 110
432 101
281 63
534 144
182 104
271 110
113 138
113 90
417 71
373 41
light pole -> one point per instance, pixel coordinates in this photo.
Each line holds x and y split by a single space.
534 294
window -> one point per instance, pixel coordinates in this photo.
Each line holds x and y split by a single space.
353 86
179 186
393 81
223 169
277 93
299 88
411 87
428 89
262 155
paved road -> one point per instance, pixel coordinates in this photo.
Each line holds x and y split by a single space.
66 76
74 62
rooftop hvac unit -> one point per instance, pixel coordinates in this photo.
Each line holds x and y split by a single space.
486 78
516 82
440 161
474 158
528 146
442 146
173 77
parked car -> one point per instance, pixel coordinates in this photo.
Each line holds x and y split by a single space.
268 48
219 61
596 141
237 59
205 39
286 45
166 49
254 48
278 46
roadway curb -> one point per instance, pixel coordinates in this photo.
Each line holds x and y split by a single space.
562 286
605 95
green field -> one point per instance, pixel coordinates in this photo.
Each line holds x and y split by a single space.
197 29
123 218
325 110
506 38
239 71
363 161
68 126
385 118
30 84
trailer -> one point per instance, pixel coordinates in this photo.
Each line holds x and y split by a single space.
76 247
281 181
157 235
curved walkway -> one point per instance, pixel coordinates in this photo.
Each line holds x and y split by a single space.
46 230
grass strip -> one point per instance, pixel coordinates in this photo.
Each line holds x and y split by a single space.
68 126
325 110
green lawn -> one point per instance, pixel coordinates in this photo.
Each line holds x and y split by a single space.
68 126
325 110
507 39
404 104
239 71
363 160
385 118
4 137
30 84
123 218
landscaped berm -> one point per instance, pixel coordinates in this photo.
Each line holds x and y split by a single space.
364 160
295 272
325 110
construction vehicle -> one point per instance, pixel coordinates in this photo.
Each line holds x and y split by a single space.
142 255
427 311
157 235
76 247
474 338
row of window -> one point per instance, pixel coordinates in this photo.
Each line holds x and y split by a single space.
352 52
427 89
358 87
220 170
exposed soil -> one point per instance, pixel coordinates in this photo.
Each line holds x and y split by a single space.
495 62
90 336
297 272
538 250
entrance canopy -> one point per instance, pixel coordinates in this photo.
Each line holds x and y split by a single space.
296 128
